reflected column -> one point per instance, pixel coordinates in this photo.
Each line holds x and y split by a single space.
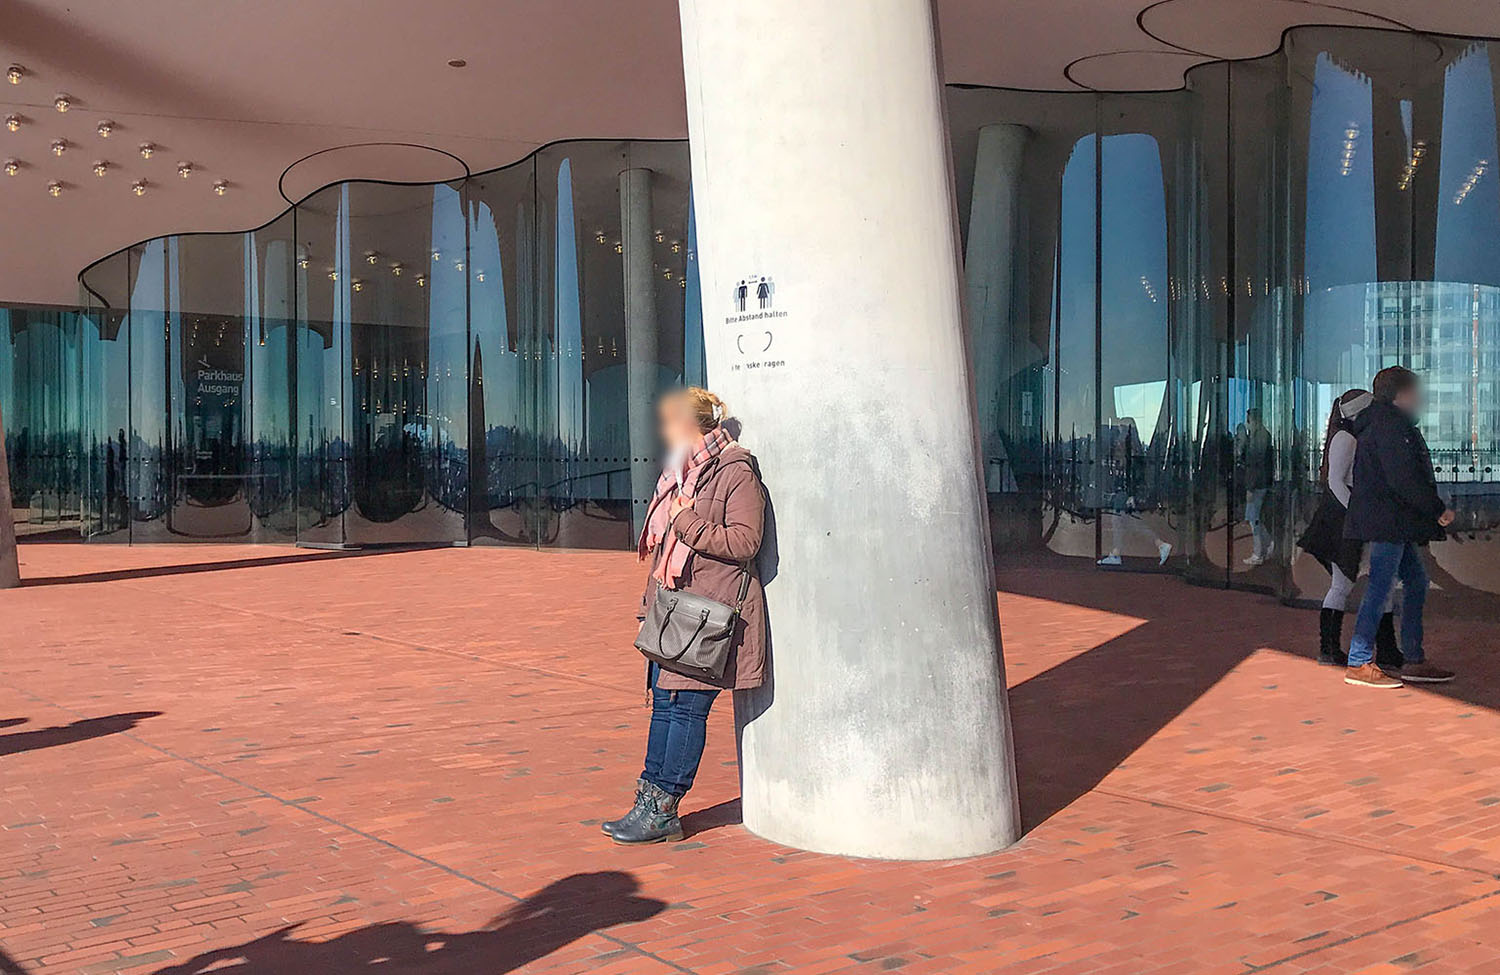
820 165
989 266
642 336
10 570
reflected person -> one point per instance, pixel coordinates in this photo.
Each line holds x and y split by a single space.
1394 508
1255 460
702 532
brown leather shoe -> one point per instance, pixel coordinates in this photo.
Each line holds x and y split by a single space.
1369 675
1425 673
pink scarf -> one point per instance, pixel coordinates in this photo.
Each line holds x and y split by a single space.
671 552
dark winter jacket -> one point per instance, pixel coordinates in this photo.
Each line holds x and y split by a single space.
1395 496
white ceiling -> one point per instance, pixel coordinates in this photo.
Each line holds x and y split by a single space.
243 89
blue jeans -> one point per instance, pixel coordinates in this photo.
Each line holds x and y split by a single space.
1255 503
1388 562
679 729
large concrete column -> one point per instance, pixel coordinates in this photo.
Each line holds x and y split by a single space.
10 569
820 163
642 337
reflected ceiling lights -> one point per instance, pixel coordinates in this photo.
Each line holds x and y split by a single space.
13 122
146 150
62 103
1470 181
1351 138
371 257
1409 171
14 74
303 263
396 270
421 280
105 129
138 187
599 236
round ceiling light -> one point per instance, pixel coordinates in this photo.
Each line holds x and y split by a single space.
14 74
146 150
54 188
62 103
12 167
105 129
220 187
13 122
59 146
138 187
184 169
101 167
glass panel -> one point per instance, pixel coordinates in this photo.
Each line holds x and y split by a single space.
383 356
502 432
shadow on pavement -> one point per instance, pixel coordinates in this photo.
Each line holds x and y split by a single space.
9 967
188 568
550 919
67 734
1077 721
727 813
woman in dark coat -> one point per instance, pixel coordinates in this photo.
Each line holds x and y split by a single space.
1324 539
702 532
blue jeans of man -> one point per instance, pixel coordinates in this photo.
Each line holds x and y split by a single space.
679 730
1390 561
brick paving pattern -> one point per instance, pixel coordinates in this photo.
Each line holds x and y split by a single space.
262 760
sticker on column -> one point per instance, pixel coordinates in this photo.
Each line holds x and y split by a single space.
754 319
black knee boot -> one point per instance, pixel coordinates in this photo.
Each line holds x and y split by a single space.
1331 638
657 824
629 819
1388 654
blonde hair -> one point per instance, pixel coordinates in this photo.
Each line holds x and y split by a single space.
706 409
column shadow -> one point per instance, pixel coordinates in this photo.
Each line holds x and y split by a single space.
1076 722
9 966
550 919
81 730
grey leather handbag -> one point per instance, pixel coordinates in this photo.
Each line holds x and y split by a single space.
689 634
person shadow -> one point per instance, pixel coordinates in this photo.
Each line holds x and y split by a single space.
81 730
550 919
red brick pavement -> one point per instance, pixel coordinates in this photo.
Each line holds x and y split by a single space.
260 760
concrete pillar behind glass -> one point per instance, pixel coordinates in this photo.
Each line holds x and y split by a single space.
990 274
642 337
10 570
819 158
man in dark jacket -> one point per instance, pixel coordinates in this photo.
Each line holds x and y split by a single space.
1396 508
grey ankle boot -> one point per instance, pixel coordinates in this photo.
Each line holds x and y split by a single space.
636 811
658 823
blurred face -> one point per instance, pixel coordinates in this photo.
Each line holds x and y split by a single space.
676 424
1409 401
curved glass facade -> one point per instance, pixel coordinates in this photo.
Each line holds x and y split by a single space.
397 363
1167 292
